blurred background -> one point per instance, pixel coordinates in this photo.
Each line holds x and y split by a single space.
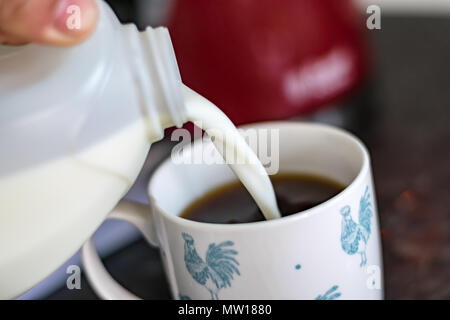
318 61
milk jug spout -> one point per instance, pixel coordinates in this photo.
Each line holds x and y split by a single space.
157 78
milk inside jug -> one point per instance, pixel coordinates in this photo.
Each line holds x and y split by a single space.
76 125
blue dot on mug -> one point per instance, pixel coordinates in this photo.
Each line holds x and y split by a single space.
298 267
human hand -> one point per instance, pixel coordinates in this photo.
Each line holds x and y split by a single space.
52 22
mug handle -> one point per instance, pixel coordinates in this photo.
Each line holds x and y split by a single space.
99 278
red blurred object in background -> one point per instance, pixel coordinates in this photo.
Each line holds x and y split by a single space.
267 59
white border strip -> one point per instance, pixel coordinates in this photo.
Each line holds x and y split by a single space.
420 7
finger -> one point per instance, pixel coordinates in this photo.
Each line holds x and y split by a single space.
54 22
14 41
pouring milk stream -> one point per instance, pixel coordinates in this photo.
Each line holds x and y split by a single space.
76 125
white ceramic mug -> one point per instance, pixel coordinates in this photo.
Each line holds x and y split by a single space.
331 251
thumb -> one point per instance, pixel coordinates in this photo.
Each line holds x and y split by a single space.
53 22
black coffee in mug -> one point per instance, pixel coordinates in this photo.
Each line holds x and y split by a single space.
231 203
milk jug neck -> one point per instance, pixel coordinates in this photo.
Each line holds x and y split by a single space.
157 78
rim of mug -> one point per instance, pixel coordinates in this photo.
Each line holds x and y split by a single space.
274 222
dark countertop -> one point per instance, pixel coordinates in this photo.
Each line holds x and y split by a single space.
408 137
410 148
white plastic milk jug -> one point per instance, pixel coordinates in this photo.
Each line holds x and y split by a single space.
76 125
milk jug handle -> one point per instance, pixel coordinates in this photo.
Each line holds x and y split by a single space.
99 278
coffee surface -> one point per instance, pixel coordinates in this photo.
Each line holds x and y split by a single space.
231 203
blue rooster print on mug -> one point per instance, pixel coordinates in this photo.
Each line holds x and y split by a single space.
354 236
331 294
217 270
